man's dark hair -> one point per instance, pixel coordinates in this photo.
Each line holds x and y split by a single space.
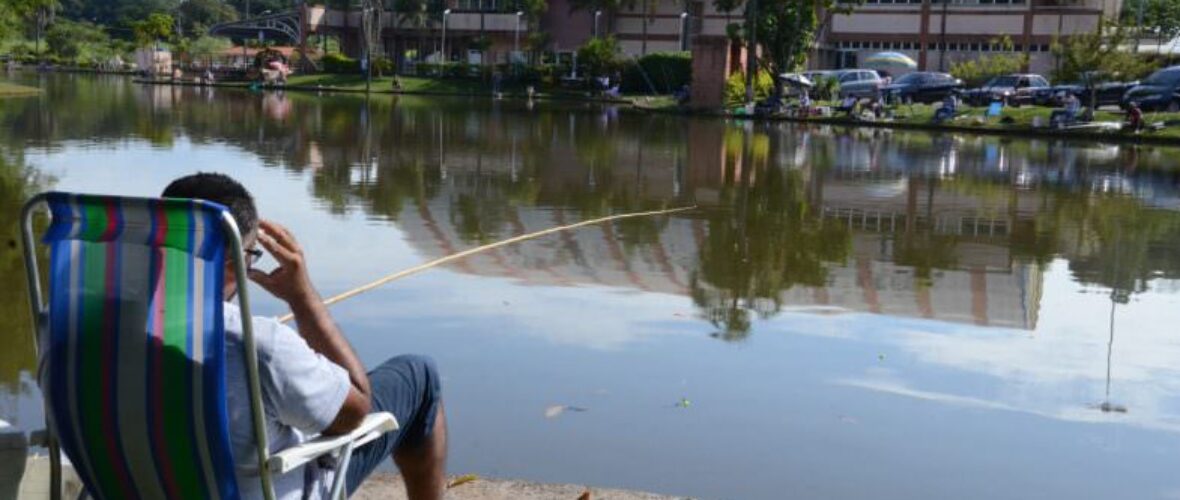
218 188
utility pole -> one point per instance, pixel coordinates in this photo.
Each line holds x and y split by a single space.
1139 24
751 47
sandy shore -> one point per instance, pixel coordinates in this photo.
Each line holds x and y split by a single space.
34 485
389 486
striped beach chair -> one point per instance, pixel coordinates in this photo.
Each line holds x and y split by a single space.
131 350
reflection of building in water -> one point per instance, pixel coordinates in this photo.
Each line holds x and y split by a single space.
984 286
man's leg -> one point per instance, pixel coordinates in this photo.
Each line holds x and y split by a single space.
408 387
423 466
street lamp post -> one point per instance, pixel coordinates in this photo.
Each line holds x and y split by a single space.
597 14
683 30
516 34
516 46
443 56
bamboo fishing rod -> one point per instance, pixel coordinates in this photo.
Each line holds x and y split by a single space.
472 251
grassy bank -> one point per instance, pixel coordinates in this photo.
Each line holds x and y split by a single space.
1026 120
14 90
433 86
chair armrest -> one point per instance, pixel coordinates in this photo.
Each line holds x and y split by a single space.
372 427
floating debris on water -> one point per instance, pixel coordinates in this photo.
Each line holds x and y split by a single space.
556 410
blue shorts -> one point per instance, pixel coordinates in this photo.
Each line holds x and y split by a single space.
408 387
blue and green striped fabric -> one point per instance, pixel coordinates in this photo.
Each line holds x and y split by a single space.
133 363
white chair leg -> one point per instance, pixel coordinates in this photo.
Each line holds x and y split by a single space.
341 472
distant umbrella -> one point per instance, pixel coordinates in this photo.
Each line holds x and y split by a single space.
890 60
796 79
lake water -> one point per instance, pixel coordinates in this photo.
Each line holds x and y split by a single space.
848 314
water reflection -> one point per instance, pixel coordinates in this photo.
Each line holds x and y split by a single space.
933 226
1022 277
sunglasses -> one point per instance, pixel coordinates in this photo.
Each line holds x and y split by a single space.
253 254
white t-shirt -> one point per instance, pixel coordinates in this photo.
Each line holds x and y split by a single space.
302 391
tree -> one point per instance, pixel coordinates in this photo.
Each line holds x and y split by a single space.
977 71
206 47
153 29
599 56
1160 17
196 16
785 29
67 38
17 15
1095 58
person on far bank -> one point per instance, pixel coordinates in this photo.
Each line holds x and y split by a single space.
312 382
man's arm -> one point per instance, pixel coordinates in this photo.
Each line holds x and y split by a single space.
291 283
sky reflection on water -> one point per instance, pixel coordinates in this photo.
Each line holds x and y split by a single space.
850 314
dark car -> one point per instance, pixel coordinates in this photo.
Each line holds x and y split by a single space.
1012 90
921 86
1158 92
1106 93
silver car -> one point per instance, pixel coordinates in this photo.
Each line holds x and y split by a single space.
859 83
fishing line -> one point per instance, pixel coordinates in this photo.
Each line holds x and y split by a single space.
472 251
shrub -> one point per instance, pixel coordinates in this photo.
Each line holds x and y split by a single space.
735 88
975 72
339 63
383 66
599 56
666 71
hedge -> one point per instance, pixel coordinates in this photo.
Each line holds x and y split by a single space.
339 63
667 71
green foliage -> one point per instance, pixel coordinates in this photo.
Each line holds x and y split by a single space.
826 88
67 38
599 56
1094 58
976 71
340 63
153 29
198 15
786 29
533 9
735 88
1160 17
207 47
382 66
668 71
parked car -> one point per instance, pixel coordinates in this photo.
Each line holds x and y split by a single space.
1160 91
859 83
815 75
1012 90
921 86
1108 93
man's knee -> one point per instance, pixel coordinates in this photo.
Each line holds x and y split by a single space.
416 372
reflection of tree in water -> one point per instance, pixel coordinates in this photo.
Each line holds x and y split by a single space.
1109 240
766 239
17 184
1123 245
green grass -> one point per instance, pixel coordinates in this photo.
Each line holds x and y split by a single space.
412 85
13 90
1019 119
409 84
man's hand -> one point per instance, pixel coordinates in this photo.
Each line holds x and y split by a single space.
289 281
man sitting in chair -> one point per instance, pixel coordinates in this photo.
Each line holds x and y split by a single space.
312 382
